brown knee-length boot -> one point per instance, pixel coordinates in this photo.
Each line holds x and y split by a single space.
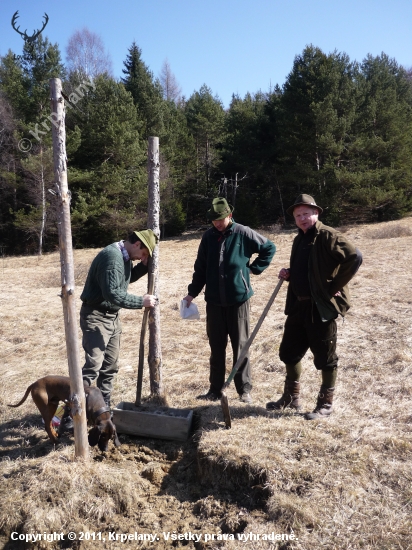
290 397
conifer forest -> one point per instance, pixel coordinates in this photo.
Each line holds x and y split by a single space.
337 129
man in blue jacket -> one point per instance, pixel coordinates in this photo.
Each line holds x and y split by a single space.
223 266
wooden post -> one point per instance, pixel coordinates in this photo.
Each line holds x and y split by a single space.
155 351
77 396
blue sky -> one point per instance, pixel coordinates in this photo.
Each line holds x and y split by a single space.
232 46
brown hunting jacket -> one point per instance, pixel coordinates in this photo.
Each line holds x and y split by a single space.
333 261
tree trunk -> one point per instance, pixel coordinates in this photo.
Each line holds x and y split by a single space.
234 191
281 199
77 396
43 202
207 165
155 351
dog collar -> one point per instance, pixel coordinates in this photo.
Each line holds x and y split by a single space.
99 412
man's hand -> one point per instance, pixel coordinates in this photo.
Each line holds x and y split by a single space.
188 299
149 300
284 273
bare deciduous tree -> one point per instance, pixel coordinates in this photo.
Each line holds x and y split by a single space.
38 174
86 55
171 88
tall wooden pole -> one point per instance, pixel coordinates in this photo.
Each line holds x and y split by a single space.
155 351
77 396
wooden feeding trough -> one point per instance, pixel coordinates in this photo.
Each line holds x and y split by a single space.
160 423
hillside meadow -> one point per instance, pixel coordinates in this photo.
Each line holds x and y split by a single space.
340 483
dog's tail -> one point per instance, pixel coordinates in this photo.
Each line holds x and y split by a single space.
24 398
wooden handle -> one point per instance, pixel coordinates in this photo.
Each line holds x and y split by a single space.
246 347
141 345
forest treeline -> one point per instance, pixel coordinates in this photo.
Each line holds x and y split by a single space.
337 129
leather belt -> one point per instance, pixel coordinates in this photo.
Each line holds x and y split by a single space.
303 298
101 309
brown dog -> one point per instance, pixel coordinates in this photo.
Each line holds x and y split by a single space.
47 392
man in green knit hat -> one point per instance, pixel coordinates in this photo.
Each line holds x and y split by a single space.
104 294
322 263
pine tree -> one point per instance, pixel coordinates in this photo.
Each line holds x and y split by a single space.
9 176
205 118
380 168
108 172
243 156
145 90
41 61
25 82
177 157
14 84
315 118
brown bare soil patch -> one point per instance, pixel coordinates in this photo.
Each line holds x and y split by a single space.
343 483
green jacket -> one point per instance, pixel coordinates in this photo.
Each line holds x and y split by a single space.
108 279
222 264
333 261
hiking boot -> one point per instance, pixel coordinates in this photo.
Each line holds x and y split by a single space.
290 398
323 406
210 396
245 397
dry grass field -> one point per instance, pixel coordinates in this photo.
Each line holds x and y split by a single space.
341 483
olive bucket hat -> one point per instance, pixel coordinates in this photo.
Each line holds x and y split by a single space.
303 200
220 209
148 238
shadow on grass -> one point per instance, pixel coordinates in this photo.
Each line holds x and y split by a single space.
27 438
214 418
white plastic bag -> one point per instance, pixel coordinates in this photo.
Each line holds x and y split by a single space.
190 312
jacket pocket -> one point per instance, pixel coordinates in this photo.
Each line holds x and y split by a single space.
244 281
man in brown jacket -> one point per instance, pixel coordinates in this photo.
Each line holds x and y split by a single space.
322 263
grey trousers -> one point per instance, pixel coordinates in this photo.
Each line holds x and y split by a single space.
221 323
101 344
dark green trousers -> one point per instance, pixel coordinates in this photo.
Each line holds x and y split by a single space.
101 344
223 323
